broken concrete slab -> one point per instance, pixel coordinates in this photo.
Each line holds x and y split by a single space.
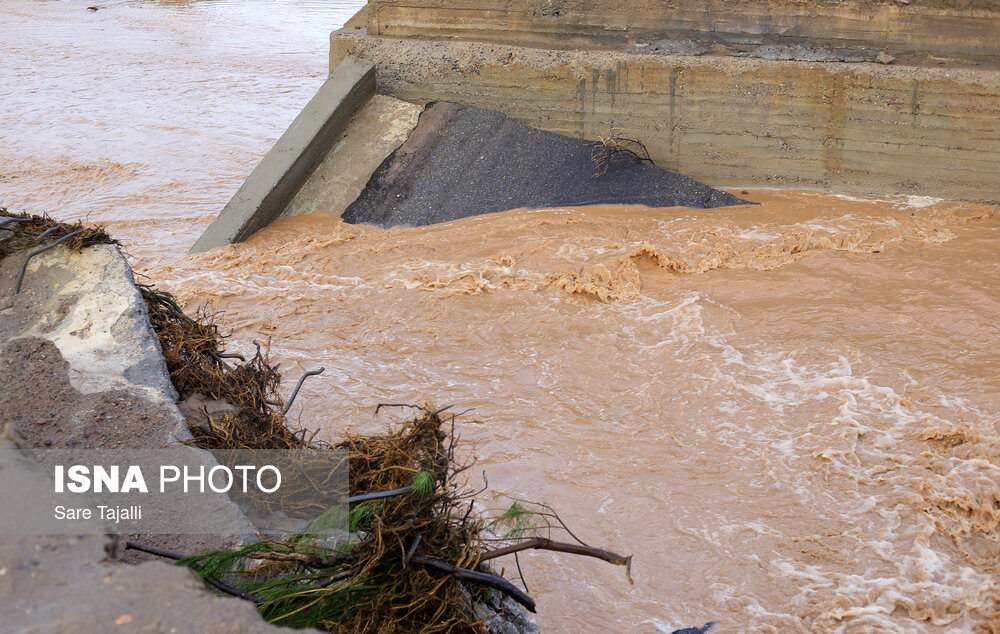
86 303
463 161
282 171
81 367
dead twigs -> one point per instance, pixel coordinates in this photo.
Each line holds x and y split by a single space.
411 518
616 149
24 231
194 352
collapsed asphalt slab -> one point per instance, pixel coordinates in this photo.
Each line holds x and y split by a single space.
464 161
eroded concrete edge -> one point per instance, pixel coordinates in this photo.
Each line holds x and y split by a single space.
282 171
95 315
375 131
88 306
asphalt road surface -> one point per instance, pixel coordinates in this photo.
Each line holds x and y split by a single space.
464 161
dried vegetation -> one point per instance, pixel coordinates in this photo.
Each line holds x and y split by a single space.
618 148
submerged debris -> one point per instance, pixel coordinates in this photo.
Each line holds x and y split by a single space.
417 555
416 559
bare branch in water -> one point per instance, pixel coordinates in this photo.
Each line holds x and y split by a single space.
493 581
541 543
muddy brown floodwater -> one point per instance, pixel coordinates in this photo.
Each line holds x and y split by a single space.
148 114
789 413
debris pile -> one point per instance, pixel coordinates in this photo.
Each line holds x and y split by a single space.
416 559
196 359
40 233
418 551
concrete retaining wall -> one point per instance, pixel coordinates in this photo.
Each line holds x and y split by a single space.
849 127
284 169
965 27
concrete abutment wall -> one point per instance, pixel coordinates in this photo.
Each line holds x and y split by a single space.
849 127
962 27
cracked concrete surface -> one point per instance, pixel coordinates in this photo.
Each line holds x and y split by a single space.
80 366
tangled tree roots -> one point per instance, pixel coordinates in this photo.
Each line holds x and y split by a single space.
196 360
20 231
418 563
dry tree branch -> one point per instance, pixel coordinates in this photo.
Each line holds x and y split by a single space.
493 581
541 543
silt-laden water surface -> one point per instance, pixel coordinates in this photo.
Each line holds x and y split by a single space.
788 413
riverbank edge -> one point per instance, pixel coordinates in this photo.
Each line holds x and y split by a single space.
79 333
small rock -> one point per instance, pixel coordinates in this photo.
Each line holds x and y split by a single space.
885 58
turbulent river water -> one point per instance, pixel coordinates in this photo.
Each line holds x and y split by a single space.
789 413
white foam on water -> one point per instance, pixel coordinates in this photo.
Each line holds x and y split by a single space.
919 202
855 199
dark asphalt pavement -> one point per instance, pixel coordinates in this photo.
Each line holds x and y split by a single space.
463 161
